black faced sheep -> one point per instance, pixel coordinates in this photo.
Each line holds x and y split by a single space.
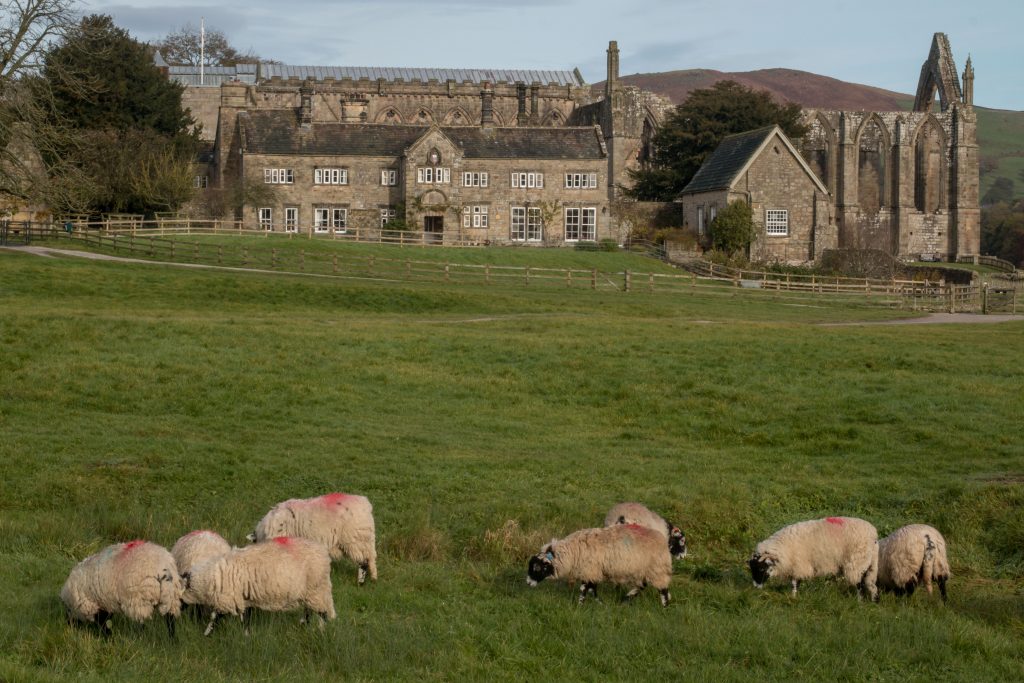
635 513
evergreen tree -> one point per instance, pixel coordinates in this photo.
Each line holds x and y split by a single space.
696 127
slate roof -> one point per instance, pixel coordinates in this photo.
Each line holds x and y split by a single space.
373 73
279 132
720 169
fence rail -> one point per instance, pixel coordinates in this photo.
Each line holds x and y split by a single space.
705 278
991 261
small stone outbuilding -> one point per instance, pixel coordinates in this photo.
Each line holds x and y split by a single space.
791 207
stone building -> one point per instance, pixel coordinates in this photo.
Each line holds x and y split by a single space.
791 207
501 156
905 182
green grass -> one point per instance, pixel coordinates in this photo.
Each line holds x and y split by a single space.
146 401
1001 138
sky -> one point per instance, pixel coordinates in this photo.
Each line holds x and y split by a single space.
873 42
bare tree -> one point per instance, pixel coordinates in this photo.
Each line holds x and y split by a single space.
183 47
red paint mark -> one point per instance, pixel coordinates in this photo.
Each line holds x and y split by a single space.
282 540
200 531
838 521
334 498
131 545
636 527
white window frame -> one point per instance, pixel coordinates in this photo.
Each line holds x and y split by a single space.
580 224
388 176
330 176
475 216
433 175
527 180
265 215
278 176
291 219
534 224
712 214
580 181
201 182
701 227
339 220
776 222
387 215
474 179
321 219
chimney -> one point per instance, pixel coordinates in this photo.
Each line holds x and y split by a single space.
612 79
534 108
306 109
521 94
487 105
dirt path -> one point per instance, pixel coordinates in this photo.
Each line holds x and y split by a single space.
931 319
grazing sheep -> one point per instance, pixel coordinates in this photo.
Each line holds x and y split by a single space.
820 547
131 579
276 575
623 554
635 513
195 548
342 522
916 552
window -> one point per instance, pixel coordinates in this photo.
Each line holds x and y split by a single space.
776 221
266 219
386 216
474 216
473 179
278 176
581 181
713 214
526 224
201 182
330 176
389 176
700 220
433 174
291 219
326 218
580 224
526 180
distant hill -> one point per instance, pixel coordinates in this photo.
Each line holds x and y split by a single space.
1000 132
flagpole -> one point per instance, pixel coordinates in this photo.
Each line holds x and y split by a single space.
202 49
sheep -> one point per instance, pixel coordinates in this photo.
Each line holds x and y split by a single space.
275 575
916 552
623 554
635 513
820 547
195 548
342 522
131 578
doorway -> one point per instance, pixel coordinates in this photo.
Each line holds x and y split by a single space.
433 229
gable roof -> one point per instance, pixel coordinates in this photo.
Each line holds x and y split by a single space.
405 74
735 154
279 132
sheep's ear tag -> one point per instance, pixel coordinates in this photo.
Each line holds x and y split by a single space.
549 556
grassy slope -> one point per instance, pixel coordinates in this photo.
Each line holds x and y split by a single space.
144 401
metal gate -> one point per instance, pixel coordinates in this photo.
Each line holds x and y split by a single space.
14 232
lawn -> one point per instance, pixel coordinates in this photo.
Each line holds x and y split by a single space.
146 401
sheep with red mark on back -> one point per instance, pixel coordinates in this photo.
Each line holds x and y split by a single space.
196 548
623 554
821 547
276 575
340 521
636 513
134 579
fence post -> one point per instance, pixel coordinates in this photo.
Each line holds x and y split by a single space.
487 273
334 264
172 248
369 265
568 277
408 269
650 282
527 275
114 241
626 280
195 251
273 258
245 256
593 278
220 254
984 298
447 273
302 256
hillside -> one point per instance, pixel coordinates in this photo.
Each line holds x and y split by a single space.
1000 132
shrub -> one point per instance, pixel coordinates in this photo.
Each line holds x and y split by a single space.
733 229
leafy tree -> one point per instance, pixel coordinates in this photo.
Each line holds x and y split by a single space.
733 229
1001 191
1002 231
183 47
130 91
696 127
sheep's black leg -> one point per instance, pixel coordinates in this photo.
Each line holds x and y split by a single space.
592 589
102 617
170 625
209 627
583 593
942 588
909 588
363 568
246 620
665 597
305 617
796 584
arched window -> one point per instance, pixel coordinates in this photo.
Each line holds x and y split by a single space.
871 168
928 164
817 151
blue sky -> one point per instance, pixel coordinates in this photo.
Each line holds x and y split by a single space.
864 41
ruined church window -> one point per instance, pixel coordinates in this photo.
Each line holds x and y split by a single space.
474 216
475 179
330 176
871 169
776 222
526 224
278 176
928 162
527 180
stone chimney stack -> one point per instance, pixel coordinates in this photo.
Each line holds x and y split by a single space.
487 105
521 119
968 82
612 79
534 103
306 108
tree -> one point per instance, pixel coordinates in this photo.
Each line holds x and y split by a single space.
733 229
696 127
1002 231
183 47
131 91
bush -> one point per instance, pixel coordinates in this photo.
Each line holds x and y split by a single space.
732 230
608 244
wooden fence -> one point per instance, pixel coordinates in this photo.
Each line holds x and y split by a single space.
991 261
712 279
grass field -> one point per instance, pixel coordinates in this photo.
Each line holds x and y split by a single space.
146 401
